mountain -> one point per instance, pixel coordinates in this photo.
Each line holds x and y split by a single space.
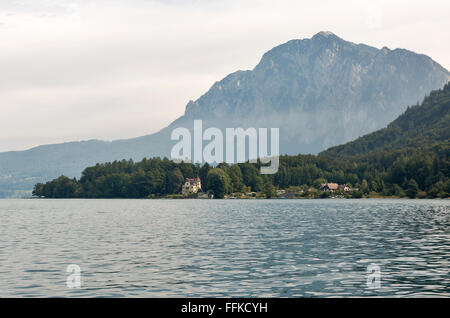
423 128
320 92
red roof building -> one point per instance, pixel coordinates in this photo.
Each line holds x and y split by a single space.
329 187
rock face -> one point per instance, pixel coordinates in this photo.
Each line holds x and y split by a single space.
424 129
320 92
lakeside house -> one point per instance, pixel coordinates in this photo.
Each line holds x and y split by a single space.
343 187
191 186
331 187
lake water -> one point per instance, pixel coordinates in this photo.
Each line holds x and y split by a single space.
218 248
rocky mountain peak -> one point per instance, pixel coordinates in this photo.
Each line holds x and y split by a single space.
321 91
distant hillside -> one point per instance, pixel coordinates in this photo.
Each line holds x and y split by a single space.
320 92
412 152
420 127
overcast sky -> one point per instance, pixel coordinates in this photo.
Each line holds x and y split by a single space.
109 69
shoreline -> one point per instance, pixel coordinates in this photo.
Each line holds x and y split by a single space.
243 199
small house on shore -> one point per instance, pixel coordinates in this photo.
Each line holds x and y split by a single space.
332 187
191 186
329 187
343 187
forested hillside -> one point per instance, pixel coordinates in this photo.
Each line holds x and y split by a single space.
420 127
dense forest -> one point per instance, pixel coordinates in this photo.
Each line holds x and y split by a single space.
409 158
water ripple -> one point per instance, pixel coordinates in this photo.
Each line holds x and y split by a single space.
202 248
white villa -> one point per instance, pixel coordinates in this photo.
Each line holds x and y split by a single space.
191 186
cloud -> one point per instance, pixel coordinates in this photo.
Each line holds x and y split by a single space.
81 69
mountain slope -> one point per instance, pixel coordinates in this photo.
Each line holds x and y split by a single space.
413 152
420 127
320 92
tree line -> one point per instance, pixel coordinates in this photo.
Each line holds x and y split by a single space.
412 174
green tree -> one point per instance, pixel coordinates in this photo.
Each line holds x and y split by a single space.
357 194
64 188
413 189
235 174
364 187
219 182
38 190
269 189
203 173
174 181
318 182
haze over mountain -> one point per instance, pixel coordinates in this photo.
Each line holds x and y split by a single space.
320 92
422 128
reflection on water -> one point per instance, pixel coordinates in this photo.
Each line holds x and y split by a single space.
208 248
